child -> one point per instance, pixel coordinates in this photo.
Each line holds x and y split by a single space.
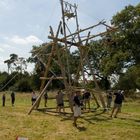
33 99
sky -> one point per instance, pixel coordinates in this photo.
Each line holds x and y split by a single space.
24 23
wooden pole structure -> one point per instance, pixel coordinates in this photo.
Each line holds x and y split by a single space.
40 95
65 38
59 58
48 63
80 49
96 84
82 30
90 37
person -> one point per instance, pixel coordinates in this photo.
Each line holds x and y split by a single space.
109 99
60 101
45 98
33 99
70 97
86 98
12 98
76 107
3 99
119 98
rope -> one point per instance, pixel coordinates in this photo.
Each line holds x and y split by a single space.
8 82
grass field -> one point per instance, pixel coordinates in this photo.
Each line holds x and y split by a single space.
40 125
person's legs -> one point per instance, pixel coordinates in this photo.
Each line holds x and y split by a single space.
75 121
59 109
85 104
113 110
88 101
117 111
12 102
3 103
75 111
63 109
45 102
109 103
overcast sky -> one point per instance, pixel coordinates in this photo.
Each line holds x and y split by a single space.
24 23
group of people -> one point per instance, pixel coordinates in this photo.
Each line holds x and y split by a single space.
12 99
119 98
84 100
77 102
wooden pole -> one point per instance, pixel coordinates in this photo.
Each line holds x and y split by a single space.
65 38
59 59
96 85
82 30
48 63
40 95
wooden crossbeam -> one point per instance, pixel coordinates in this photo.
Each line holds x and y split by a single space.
63 41
47 78
82 30
88 38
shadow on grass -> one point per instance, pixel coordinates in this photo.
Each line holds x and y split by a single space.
81 128
91 117
130 119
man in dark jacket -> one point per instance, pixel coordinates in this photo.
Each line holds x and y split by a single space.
86 98
12 98
3 99
119 97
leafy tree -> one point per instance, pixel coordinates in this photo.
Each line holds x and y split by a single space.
130 79
16 63
3 79
121 51
128 22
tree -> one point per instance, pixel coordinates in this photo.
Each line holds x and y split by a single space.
16 63
122 49
130 79
128 22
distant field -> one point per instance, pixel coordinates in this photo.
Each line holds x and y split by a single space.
14 122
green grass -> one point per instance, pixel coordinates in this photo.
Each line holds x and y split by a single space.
14 122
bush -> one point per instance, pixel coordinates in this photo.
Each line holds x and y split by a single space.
23 85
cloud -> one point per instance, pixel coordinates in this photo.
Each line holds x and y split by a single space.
6 4
1 50
26 41
4 46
